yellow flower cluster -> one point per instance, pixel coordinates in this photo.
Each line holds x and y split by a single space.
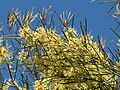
4 53
70 62
38 85
41 84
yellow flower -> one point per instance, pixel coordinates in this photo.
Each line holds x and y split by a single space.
24 32
77 59
4 53
38 85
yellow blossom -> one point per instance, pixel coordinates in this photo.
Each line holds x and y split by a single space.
4 53
73 60
38 85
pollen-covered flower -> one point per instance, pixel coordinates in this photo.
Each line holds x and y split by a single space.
38 85
4 53
67 58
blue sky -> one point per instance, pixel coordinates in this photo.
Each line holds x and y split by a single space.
98 24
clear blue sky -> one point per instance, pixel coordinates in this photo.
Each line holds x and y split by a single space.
97 23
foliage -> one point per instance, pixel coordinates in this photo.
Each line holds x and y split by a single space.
42 59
